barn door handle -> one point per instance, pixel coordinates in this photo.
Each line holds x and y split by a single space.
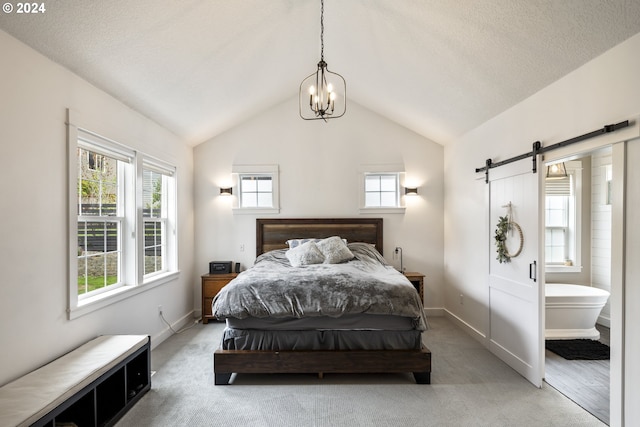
533 271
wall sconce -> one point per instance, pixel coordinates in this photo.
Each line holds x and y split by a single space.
411 191
226 191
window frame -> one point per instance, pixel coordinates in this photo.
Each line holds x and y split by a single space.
397 170
167 219
239 172
132 280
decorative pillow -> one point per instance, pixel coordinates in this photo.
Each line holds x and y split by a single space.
293 243
335 250
297 242
304 254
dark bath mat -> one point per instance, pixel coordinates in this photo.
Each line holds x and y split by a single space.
579 349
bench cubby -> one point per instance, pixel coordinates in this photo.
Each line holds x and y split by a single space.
94 385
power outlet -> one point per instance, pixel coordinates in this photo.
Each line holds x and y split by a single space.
159 310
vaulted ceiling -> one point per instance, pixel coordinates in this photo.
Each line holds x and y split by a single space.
438 67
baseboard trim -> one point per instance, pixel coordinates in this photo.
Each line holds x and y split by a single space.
434 312
479 336
185 320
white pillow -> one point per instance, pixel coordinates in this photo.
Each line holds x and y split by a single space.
335 250
294 243
304 254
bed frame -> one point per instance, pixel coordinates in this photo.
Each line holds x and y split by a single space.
272 234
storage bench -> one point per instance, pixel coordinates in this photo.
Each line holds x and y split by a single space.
93 385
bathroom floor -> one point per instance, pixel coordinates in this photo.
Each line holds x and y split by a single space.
586 382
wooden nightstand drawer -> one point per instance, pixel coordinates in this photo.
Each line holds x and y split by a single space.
211 285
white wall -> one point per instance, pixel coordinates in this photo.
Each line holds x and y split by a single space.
318 178
33 190
606 90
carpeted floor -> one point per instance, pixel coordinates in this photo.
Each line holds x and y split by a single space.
470 387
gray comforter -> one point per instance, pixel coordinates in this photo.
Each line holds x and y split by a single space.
366 284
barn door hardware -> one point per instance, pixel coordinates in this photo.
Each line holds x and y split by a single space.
539 149
533 271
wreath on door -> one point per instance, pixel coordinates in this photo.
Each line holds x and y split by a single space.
506 225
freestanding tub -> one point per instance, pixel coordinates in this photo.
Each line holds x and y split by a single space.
572 311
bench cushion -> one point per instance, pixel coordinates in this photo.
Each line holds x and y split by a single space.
29 398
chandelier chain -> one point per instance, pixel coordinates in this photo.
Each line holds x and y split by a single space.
322 30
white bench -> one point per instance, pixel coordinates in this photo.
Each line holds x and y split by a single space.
107 361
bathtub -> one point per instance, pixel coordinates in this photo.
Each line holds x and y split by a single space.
572 310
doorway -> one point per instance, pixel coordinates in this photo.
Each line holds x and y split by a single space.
578 240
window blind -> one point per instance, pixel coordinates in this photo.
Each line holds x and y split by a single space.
558 187
100 145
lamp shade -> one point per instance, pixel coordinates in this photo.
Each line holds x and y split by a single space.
556 171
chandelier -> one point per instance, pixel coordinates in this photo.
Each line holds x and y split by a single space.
323 93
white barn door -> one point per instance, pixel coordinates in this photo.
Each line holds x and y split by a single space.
516 330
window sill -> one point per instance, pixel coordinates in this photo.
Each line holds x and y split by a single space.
390 210
89 305
562 269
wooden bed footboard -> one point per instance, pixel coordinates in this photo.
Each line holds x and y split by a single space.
226 362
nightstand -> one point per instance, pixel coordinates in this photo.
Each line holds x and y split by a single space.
211 285
417 280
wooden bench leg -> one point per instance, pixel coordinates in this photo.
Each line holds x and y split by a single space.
222 379
422 377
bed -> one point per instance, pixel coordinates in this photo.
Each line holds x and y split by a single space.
369 326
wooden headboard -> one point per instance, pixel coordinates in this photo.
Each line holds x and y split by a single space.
272 233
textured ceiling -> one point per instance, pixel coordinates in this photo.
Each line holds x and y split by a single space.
438 67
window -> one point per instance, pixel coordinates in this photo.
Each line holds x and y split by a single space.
158 211
100 219
562 220
381 188
607 175
256 187
256 191
557 229
113 249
